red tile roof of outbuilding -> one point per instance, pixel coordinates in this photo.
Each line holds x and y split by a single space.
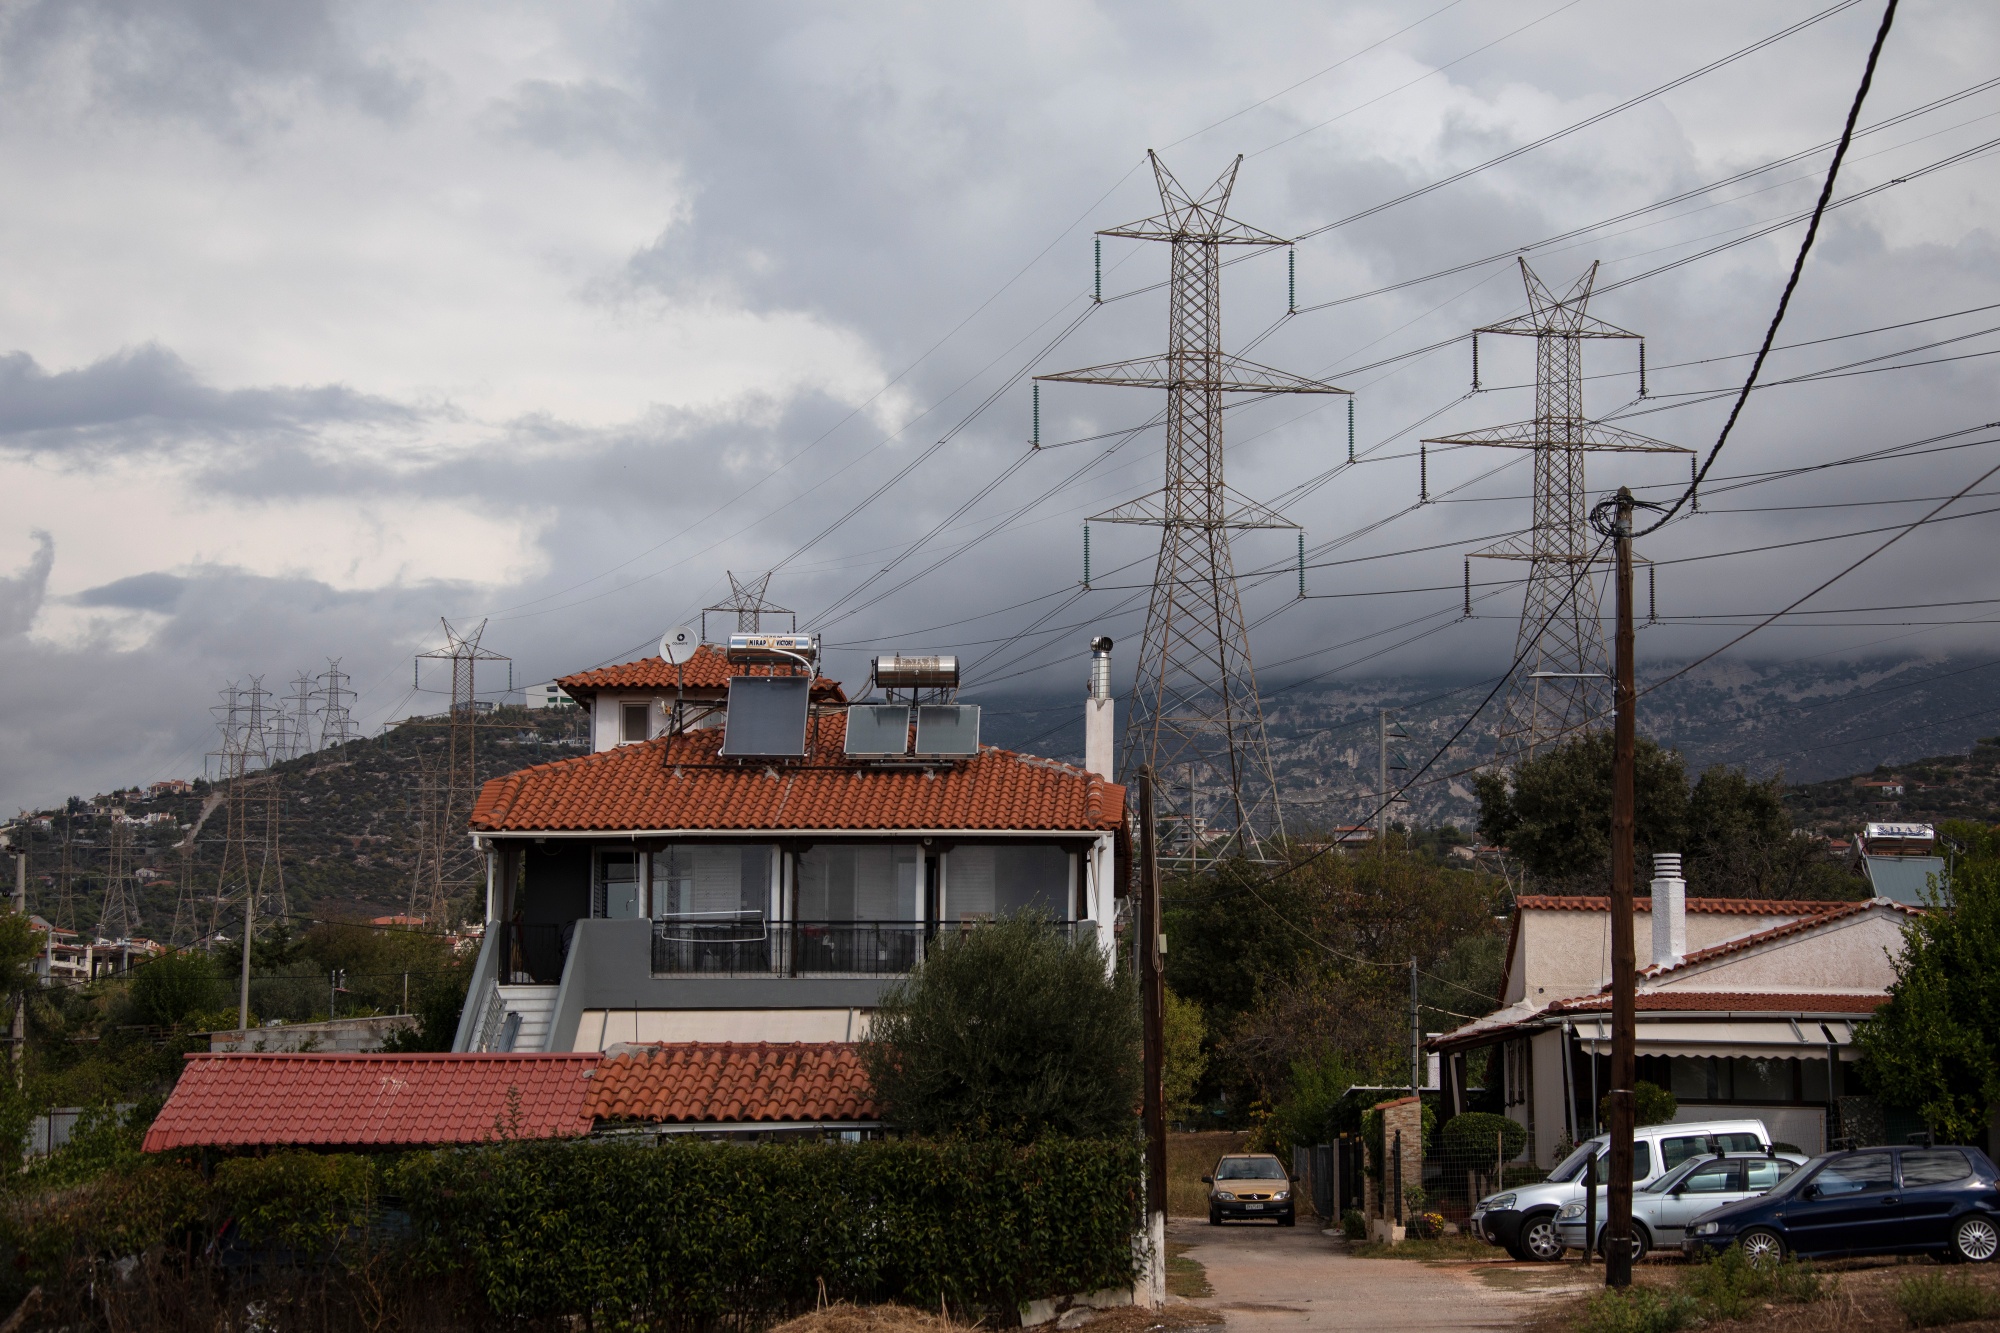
1563 902
731 1082
251 1100
1672 1001
681 782
707 669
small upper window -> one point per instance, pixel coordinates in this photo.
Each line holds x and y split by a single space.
637 723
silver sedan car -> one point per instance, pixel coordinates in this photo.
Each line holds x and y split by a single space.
1662 1209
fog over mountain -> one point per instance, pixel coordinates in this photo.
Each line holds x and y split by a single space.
326 320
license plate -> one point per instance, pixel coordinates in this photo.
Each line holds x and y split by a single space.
1252 1207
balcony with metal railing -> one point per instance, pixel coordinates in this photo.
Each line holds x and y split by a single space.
746 945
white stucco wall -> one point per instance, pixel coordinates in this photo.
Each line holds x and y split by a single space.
1563 953
600 1028
1855 955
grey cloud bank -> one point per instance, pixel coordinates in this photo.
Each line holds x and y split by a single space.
553 315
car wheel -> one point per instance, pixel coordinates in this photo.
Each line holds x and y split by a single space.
1638 1240
1539 1241
1975 1239
1214 1218
1762 1246
1289 1220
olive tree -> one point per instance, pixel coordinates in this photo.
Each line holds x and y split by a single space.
1013 1030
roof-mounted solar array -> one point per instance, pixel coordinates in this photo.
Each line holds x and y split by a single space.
898 672
948 729
766 717
773 648
878 731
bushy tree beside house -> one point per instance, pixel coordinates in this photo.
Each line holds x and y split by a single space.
1011 1030
1733 832
1935 1046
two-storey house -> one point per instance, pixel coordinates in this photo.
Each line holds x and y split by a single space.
747 856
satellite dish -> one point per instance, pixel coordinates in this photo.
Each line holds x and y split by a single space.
677 645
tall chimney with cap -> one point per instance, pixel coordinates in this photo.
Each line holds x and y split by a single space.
1670 922
1098 710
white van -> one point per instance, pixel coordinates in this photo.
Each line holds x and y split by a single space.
1523 1220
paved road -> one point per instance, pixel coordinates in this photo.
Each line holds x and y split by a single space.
1270 1279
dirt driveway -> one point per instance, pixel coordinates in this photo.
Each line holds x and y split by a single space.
1270 1279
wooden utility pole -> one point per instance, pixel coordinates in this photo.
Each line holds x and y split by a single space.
1153 1010
1618 1201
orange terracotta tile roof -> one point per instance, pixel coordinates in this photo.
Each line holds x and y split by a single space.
731 1082
1556 902
1739 945
708 669
680 782
251 1100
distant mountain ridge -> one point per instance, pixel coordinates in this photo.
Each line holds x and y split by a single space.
1812 721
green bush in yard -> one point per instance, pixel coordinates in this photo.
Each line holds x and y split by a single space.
1931 1300
1474 1136
302 1202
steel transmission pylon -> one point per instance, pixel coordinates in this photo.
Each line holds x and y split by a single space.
449 867
1196 717
749 604
1562 682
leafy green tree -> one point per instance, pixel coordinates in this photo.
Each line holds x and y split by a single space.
1556 817
1315 1108
1651 1105
1182 1058
1476 1136
1011 1030
1734 832
169 990
1935 1046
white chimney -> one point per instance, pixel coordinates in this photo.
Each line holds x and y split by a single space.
1098 711
1670 922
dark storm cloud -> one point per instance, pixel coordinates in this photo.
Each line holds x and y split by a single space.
140 592
151 385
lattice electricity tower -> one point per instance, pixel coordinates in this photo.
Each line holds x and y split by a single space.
749 604
1563 682
251 870
1196 717
449 869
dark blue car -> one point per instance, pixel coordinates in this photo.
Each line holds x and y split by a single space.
1941 1201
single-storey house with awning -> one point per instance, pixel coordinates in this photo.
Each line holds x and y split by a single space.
1745 1008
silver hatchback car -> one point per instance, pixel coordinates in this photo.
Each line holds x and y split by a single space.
1663 1208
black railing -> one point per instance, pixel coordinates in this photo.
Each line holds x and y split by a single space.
535 953
750 946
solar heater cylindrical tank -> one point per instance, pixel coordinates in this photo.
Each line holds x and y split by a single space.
898 672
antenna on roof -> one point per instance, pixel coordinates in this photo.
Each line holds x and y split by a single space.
677 645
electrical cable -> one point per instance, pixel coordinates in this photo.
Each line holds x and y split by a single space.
1798 267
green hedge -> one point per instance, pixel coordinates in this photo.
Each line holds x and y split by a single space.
697 1231
685 1235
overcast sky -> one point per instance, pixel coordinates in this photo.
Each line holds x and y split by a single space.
324 321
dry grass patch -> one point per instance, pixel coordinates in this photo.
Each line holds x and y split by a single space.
1189 1158
1856 1296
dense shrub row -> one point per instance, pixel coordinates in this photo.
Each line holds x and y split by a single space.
688 1235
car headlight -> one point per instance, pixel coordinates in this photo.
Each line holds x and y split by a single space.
1499 1201
1707 1228
1225 1194
1282 1195
1570 1212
